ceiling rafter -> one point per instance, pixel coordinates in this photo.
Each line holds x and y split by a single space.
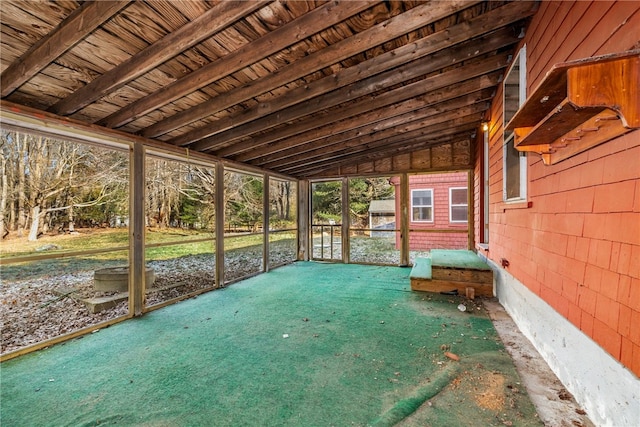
216 19
324 91
427 128
354 137
466 89
475 27
290 33
74 28
305 89
434 82
367 86
386 149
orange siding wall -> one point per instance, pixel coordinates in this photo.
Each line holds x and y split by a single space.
578 245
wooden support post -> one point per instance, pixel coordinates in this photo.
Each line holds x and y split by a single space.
136 230
404 220
345 221
265 223
470 211
219 201
303 220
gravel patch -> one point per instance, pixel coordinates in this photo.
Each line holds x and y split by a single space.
32 310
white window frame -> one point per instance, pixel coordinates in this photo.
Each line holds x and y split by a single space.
423 206
451 205
521 60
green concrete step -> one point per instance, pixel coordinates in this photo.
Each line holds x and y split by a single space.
421 269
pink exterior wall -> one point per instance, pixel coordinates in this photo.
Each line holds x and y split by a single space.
577 245
440 184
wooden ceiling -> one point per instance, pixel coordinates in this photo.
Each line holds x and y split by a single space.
303 88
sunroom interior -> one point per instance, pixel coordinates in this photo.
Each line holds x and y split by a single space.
247 135
155 151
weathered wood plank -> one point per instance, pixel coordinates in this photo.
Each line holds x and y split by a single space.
277 40
367 77
79 24
424 119
424 285
429 44
225 14
462 275
385 146
473 90
431 83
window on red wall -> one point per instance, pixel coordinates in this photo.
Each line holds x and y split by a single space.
422 205
514 162
458 204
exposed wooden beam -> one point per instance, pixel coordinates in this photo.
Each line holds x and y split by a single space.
82 21
468 89
287 108
291 154
290 33
20 117
216 19
387 149
429 128
348 140
475 27
428 84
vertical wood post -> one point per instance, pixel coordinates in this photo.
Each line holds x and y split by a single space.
136 230
346 255
304 232
219 201
265 222
404 220
470 211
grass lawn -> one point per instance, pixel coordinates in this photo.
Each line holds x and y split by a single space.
172 243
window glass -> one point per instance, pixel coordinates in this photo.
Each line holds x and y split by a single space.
422 205
514 162
458 204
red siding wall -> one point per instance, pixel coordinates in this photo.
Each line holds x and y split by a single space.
578 245
440 184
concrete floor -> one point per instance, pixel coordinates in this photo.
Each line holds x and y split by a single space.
555 405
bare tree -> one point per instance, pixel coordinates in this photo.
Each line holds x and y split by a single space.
45 181
3 191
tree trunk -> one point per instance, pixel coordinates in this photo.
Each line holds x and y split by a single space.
71 223
21 140
35 222
3 196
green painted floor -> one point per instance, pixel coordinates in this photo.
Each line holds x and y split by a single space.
305 345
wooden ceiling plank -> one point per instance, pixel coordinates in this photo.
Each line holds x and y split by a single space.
214 20
259 121
476 27
369 122
352 139
391 97
421 126
286 35
482 84
74 28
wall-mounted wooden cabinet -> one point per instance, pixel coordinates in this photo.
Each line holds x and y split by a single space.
579 105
